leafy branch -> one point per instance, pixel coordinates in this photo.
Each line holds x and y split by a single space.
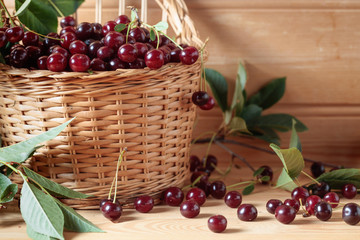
44 214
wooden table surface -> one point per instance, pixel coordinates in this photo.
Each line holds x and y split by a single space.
165 222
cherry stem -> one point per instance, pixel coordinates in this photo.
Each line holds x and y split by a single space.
176 44
7 12
117 172
208 149
240 183
313 179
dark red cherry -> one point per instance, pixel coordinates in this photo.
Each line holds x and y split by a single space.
272 204
200 98
293 203
14 34
67 29
141 48
317 169
79 62
247 212
217 223
3 39
105 53
42 63
127 53
349 191
144 203
300 194
310 203
233 199
84 31
51 40
210 162
323 211
196 194
218 189
116 63
18 57
30 39
332 198
109 26
139 63
98 65
111 210
138 34
56 62
189 55
194 163
78 46
154 59
67 39
267 171
173 196
351 213
285 214
122 19
189 209
209 105
93 48
114 40
67 21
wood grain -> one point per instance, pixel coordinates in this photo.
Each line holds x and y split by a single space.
165 222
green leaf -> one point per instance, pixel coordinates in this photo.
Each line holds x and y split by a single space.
133 14
295 140
36 235
4 182
258 172
41 212
227 117
22 7
152 34
161 26
53 186
248 189
266 134
75 222
291 158
279 121
270 94
9 193
39 16
218 87
238 124
66 7
250 113
285 181
120 27
338 178
238 98
265 178
23 150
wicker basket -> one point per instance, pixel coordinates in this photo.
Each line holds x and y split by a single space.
148 112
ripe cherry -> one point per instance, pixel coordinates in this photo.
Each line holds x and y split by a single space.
293 203
320 189
189 55
310 203
272 204
349 191
105 53
285 214
79 62
3 39
194 163
267 171
67 39
173 196
30 39
209 105
210 162
114 40
332 198
124 19
196 194
116 63
351 213
154 59
323 211
300 194
42 62
67 21
111 210
233 199
78 46
56 62
109 26
84 31
247 212
317 169
98 65
127 53
217 223
189 209
14 34
218 189
200 98
144 203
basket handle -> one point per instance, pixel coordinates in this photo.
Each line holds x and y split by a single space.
175 12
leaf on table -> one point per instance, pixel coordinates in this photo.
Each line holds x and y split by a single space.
38 16
248 189
338 178
54 187
270 94
161 26
294 139
218 87
291 158
279 121
23 150
9 193
75 222
238 100
285 181
36 235
41 212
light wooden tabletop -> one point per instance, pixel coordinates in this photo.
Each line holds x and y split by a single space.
165 222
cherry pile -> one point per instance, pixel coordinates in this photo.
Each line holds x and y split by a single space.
93 47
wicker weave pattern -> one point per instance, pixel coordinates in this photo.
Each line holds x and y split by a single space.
148 112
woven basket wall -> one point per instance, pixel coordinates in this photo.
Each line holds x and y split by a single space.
148 112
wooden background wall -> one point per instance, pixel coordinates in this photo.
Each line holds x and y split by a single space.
314 43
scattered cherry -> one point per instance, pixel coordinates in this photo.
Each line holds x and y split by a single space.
351 213
218 189
210 162
332 198
300 194
272 204
320 189
217 223
323 211
293 203
173 196
285 214
111 210
247 212
194 163
200 98
317 169
144 203
196 194
349 191
233 199
189 209
310 203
